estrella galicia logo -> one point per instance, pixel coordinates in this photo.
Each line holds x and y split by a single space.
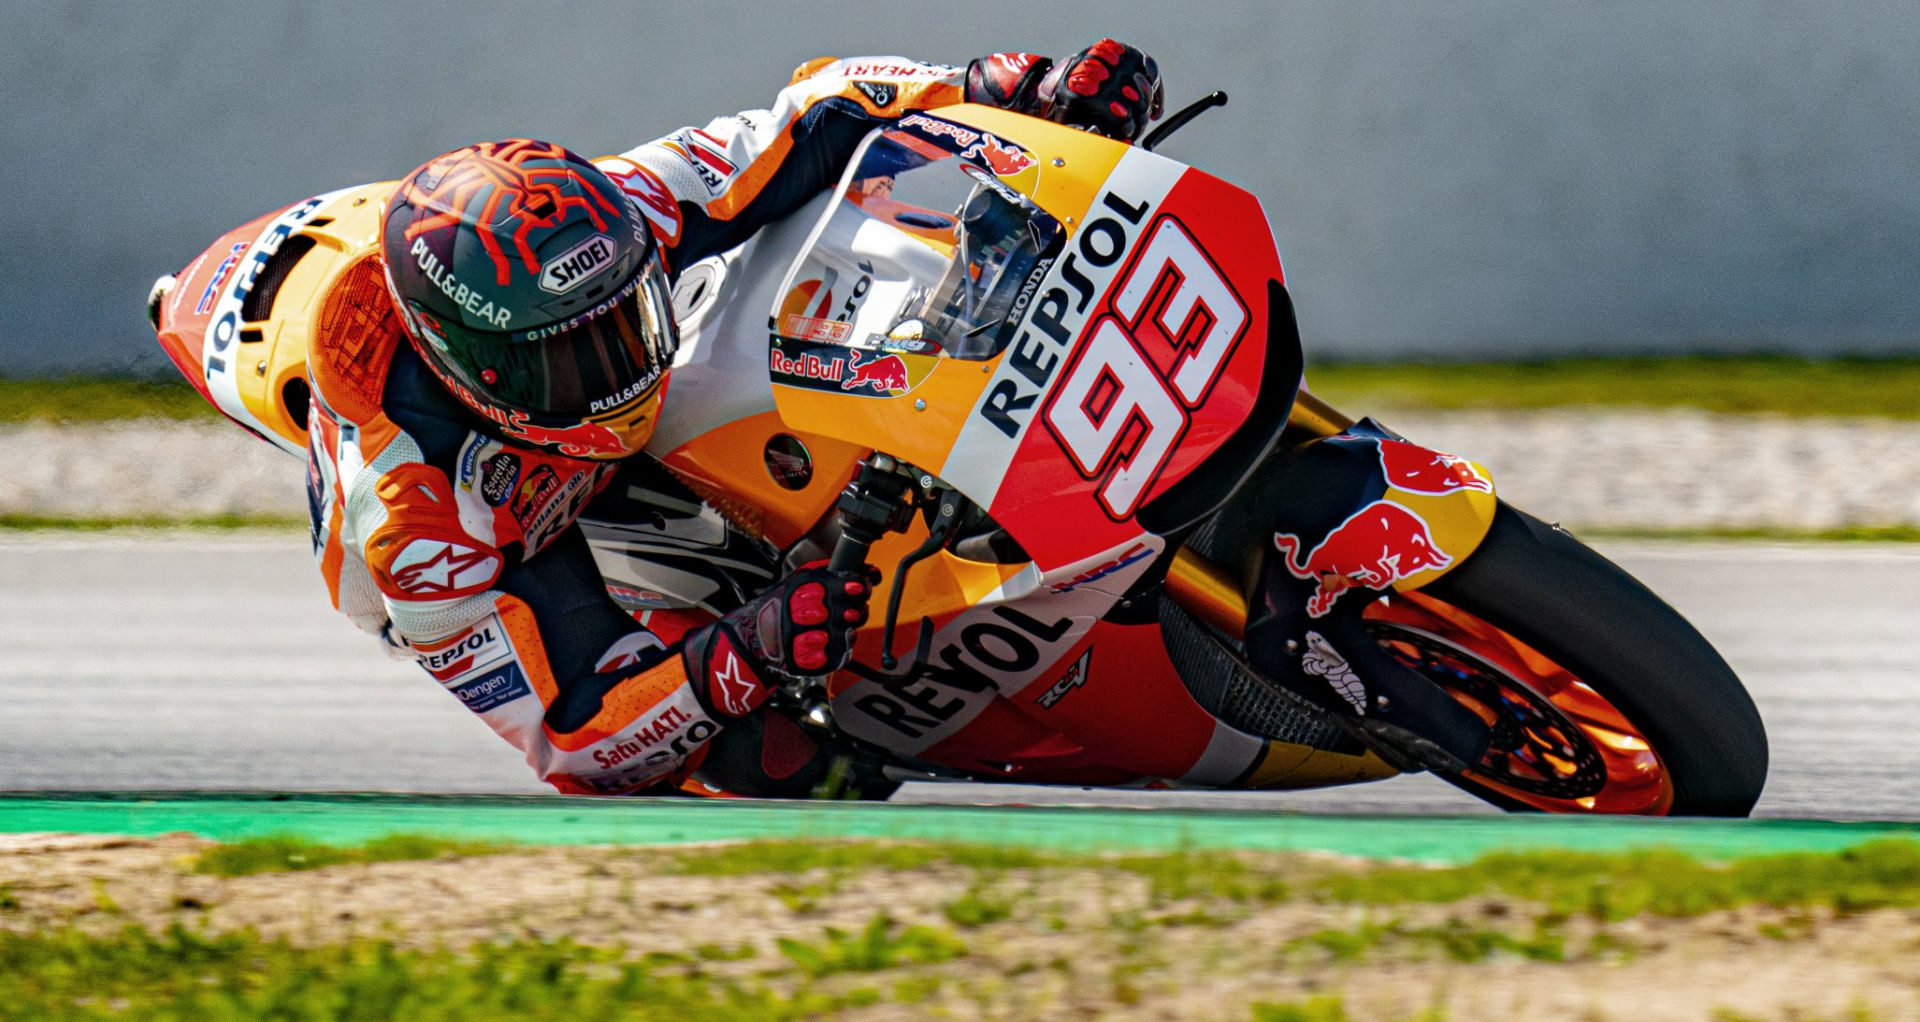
496 482
494 689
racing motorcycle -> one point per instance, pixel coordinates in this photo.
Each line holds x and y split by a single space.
1051 386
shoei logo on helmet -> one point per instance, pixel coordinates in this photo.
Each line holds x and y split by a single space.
575 265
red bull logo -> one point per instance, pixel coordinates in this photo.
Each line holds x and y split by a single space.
586 440
1004 158
1417 469
1379 545
886 374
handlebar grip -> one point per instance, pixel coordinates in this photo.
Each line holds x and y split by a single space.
850 553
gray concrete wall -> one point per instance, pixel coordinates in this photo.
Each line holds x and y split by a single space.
1469 178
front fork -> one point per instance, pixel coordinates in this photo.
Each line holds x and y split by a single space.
1352 506
1214 593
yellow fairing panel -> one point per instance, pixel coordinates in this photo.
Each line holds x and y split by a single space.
730 468
1285 765
1459 522
272 364
1072 164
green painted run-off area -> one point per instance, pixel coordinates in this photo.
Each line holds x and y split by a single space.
348 819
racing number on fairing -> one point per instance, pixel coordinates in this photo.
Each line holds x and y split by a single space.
1154 356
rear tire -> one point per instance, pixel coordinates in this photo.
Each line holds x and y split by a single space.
1540 585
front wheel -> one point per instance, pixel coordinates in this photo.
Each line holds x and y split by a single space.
1601 697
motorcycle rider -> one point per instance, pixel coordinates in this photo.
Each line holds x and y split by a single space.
446 474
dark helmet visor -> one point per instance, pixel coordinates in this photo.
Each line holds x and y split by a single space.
595 363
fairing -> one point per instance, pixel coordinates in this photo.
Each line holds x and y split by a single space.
1131 349
239 318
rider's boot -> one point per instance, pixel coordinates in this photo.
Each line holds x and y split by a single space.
1333 663
766 755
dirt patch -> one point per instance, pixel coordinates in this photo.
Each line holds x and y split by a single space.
1046 942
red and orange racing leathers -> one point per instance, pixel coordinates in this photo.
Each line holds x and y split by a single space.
463 551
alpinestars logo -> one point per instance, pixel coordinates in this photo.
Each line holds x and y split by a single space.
734 687
433 568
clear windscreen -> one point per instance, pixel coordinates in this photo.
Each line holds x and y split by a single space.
924 249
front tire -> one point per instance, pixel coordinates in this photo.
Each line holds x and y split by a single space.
1613 639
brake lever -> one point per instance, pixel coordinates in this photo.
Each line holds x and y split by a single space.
946 520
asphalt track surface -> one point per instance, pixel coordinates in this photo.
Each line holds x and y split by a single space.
181 662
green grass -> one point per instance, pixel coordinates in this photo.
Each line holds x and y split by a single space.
1174 875
1187 874
1316 1009
1877 874
1781 384
1760 383
1617 885
1456 939
879 946
180 976
979 905
279 854
101 399
802 855
69 975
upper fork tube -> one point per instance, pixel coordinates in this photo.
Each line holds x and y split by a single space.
1210 591
1316 416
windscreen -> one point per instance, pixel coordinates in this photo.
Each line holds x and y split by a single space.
925 248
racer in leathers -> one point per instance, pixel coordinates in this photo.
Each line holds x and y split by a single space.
446 475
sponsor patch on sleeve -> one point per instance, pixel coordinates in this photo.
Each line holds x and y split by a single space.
478 666
492 689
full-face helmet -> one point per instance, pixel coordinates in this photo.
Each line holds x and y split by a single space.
533 288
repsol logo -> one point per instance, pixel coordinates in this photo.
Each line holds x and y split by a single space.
226 327
1059 314
473 642
572 267
1008 643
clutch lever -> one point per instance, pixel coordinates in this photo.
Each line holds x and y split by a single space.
1181 118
